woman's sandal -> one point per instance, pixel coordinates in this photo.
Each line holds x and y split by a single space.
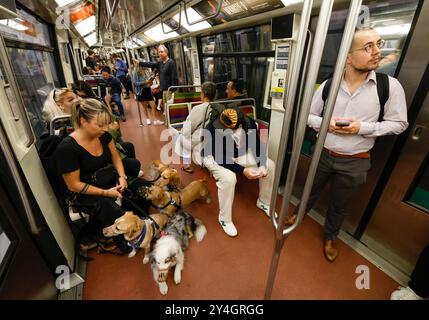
187 169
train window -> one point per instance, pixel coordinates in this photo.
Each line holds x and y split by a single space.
25 28
36 76
242 54
3 76
392 19
419 195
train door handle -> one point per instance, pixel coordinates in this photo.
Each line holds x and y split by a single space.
417 132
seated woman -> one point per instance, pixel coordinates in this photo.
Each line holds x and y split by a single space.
126 149
80 156
57 103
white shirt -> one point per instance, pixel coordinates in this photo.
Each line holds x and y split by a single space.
363 106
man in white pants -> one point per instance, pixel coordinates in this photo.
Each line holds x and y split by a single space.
233 135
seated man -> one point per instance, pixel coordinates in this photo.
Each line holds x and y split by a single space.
190 136
226 154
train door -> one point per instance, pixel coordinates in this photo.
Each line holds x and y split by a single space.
55 237
24 273
398 228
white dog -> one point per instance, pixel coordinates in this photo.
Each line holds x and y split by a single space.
168 249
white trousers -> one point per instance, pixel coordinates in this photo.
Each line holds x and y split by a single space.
226 180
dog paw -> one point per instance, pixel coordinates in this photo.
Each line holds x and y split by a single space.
163 288
132 253
208 200
177 278
145 259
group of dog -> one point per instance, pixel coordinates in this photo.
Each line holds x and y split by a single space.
168 231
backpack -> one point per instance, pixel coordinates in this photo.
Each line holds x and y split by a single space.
382 92
383 96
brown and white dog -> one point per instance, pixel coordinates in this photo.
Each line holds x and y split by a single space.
168 251
163 175
137 231
171 201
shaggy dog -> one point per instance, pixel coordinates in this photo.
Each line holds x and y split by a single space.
171 201
138 232
169 248
164 176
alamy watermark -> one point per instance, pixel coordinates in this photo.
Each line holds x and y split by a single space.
362 281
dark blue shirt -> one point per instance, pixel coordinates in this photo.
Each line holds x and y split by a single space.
114 84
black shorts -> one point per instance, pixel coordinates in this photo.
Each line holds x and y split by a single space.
146 95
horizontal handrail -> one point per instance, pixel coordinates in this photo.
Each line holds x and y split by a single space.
219 7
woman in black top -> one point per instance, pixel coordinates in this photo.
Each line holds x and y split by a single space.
90 148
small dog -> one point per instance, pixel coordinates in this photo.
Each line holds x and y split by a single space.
138 232
169 248
169 202
163 175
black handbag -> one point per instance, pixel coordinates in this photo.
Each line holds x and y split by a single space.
105 177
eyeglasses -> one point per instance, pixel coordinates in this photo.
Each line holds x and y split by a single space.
369 47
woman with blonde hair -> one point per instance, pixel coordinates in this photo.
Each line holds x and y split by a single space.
142 81
57 103
91 166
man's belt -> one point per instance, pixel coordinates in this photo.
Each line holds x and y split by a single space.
361 155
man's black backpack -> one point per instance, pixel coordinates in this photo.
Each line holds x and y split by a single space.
382 92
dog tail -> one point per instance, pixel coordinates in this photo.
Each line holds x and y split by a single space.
201 230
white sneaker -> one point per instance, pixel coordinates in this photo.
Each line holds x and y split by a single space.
158 122
158 108
228 227
148 122
404 293
265 208
141 173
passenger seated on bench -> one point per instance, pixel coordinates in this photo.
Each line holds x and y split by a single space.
83 153
234 90
227 153
126 149
57 103
191 135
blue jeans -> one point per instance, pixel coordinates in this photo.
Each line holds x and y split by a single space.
116 98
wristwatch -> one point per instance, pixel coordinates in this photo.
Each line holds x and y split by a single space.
124 176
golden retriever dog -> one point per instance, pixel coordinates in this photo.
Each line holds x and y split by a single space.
168 251
171 201
137 231
163 175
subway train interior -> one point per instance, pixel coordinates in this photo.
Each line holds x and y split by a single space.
279 52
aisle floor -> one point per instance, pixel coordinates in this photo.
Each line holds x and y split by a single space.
221 267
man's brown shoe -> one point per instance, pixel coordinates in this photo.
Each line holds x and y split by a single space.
331 250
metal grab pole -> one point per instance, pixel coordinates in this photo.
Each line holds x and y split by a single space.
290 99
316 56
349 29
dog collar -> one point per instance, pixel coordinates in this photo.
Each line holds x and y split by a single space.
170 202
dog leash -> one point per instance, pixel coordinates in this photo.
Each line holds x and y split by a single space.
141 211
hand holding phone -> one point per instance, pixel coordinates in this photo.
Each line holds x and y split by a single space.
342 123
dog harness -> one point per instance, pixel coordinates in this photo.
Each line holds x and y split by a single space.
170 202
135 243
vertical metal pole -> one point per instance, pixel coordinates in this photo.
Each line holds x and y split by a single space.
290 99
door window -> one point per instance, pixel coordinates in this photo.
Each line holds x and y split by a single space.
420 192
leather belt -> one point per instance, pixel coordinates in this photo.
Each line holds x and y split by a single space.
361 155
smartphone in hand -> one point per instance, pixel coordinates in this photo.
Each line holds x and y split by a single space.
342 123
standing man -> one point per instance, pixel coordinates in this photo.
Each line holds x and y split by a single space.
167 70
345 159
121 73
90 59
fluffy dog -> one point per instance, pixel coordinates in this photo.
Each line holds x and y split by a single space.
163 175
171 201
138 232
169 248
